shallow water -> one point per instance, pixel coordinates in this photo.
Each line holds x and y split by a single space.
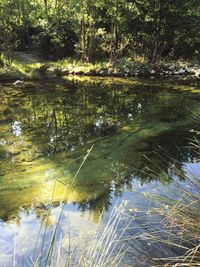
140 133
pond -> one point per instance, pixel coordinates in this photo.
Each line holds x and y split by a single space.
46 130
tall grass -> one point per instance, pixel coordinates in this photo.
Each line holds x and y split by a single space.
167 230
103 249
106 248
182 216
182 221
177 228
100 249
45 260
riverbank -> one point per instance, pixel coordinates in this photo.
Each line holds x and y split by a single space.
26 66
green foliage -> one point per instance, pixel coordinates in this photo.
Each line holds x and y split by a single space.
101 29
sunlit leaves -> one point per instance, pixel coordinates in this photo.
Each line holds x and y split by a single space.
104 29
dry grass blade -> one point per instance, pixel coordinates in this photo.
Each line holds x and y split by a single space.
105 249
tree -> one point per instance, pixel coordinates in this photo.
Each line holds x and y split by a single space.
106 29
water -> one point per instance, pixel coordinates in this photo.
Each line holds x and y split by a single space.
140 130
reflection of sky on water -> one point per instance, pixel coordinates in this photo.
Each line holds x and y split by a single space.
21 234
192 170
125 126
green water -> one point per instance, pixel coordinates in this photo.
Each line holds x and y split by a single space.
46 129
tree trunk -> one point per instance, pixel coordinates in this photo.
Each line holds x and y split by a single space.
46 6
114 44
157 34
83 40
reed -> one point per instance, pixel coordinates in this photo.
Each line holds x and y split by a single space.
103 249
182 216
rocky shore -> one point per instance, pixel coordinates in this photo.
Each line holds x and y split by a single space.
120 68
132 70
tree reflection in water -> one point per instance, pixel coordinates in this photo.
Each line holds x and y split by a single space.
139 131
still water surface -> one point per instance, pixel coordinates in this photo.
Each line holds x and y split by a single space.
46 129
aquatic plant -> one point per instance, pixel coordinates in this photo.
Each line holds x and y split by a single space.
181 217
